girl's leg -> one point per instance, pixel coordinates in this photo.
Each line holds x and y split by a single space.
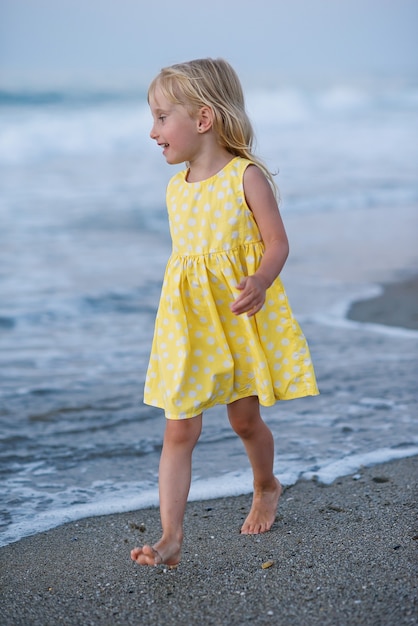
180 438
244 416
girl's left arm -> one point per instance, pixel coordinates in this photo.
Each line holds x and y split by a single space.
260 199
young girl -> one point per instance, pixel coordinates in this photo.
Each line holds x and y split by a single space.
224 331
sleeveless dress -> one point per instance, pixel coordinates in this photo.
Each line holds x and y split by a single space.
202 354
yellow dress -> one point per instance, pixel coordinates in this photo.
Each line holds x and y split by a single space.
202 354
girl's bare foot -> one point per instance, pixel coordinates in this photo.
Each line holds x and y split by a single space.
263 510
162 553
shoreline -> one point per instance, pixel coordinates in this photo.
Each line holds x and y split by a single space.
342 554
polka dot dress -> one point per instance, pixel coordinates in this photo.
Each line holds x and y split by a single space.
202 354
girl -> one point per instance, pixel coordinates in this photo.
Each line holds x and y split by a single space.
224 331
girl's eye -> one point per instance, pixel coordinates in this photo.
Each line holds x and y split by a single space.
162 118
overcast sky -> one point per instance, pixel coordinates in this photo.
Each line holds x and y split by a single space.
50 42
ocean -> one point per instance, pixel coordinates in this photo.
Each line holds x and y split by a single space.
83 245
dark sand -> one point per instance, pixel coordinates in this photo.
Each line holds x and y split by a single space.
396 306
343 555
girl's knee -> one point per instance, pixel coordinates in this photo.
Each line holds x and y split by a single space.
244 429
244 416
183 432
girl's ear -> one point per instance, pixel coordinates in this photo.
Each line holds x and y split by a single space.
204 119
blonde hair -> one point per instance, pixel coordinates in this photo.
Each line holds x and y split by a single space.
215 84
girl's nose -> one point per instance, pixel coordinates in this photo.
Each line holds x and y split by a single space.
152 133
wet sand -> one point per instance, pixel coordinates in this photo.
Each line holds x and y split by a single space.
340 554
396 306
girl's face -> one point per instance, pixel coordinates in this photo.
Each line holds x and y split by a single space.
174 129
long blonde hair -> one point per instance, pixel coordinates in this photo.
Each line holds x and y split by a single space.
213 83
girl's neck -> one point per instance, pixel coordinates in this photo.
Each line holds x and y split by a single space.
207 165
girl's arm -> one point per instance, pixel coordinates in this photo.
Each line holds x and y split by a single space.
260 199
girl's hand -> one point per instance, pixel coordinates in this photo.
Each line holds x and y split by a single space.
252 298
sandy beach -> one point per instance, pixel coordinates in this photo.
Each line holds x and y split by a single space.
396 306
341 554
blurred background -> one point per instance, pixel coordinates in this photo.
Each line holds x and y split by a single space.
332 89
107 43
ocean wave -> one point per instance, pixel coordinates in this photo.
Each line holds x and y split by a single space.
108 497
24 98
43 125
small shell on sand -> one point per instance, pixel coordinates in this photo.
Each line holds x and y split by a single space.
267 564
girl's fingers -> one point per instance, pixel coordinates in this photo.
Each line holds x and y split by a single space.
247 304
251 298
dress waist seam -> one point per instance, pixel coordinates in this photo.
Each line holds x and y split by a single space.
191 255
